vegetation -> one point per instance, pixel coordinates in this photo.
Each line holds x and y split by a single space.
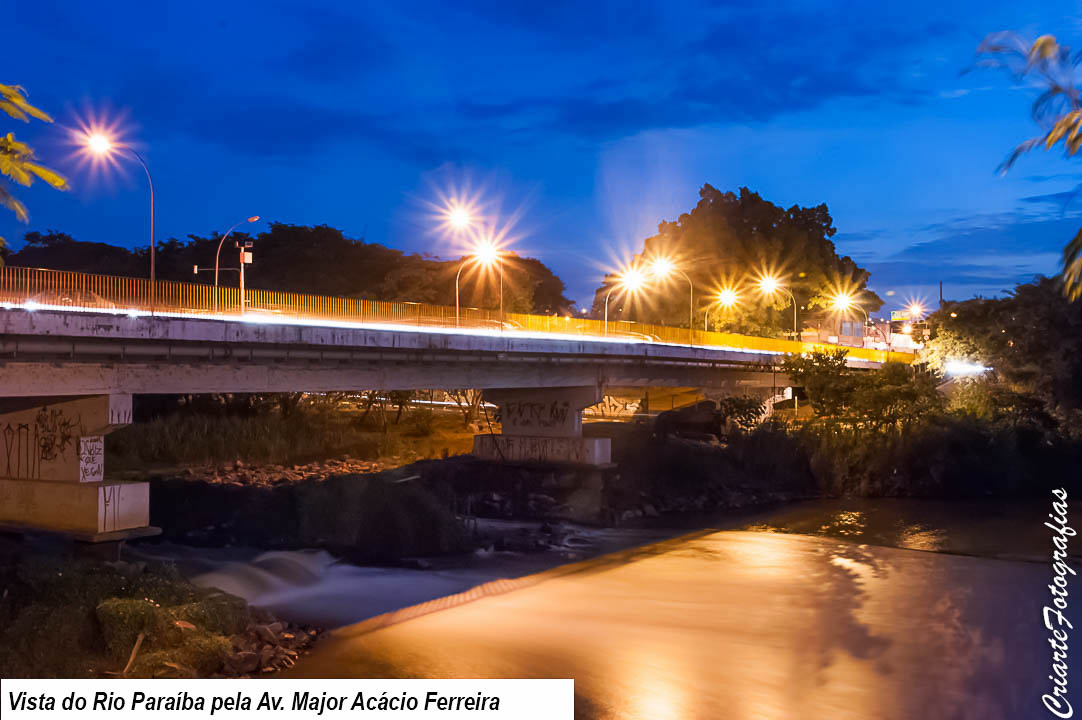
888 398
1013 429
1057 110
279 429
727 236
310 259
1031 341
105 610
17 160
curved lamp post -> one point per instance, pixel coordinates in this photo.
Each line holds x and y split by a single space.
102 145
768 285
630 281
726 298
252 219
843 302
662 268
486 255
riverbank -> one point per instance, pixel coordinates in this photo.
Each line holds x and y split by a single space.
129 618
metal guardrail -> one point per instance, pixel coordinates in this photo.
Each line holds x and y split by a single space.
84 291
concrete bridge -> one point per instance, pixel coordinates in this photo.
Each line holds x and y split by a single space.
75 348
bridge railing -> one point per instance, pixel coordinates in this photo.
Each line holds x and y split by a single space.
28 287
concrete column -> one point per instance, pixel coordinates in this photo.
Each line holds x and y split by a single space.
543 424
52 467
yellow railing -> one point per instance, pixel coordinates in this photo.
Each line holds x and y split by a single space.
19 286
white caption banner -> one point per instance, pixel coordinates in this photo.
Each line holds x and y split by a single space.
266 699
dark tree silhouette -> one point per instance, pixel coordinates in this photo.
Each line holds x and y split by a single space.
310 259
726 240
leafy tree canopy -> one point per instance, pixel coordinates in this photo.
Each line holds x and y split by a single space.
887 398
728 240
1031 340
310 259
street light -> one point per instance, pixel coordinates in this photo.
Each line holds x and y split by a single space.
770 285
631 280
485 254
459 218
726 299
102 145
254 218
662 268
843 302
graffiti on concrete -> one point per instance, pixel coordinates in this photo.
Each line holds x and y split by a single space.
611 406
531 414
28 445
92 459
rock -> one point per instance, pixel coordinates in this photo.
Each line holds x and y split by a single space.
245 662
266 657
649 510
265 634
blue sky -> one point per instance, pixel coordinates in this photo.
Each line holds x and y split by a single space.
587 123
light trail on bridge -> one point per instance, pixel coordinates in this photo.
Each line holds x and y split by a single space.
31 289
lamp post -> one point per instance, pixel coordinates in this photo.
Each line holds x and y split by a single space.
727 298
630 281
102 146
252 219
485 254
843 302
663 267
768 285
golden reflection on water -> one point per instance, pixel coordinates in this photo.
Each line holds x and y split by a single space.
918 537
844 523
658 684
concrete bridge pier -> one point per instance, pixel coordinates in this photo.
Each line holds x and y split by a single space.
545 425
52 468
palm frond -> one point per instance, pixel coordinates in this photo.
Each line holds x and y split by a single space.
13 102
8 200
1072 268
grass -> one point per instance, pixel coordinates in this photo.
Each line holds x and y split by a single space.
273 438
62 617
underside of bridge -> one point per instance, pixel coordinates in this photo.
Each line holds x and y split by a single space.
66 381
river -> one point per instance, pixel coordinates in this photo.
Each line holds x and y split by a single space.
829 609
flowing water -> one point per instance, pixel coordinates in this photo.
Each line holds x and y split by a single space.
827 609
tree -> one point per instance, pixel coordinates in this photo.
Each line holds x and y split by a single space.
729 239
1057 111
893 396
825 378
889 397
17 158
1031 340
317 260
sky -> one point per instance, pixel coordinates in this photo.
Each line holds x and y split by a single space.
577 126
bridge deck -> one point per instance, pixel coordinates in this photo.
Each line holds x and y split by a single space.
38 289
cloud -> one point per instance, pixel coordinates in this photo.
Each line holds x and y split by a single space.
336 46
979 254
1055 177
1062 200
740 69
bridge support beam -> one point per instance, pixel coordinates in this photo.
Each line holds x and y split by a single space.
53 466
543 424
